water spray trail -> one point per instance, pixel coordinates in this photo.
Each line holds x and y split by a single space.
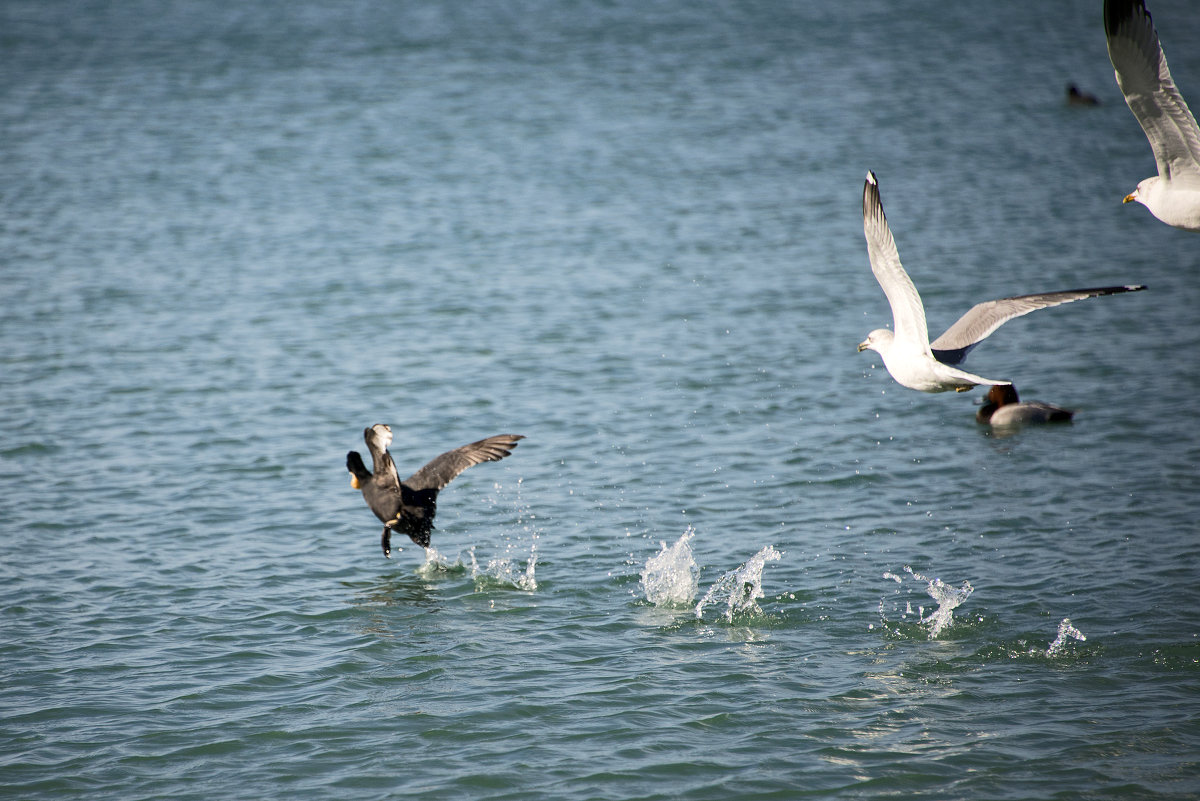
501 569
506 571
741 588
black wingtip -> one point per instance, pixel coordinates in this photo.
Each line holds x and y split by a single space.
872 202
1117 12
1111 290
1116 290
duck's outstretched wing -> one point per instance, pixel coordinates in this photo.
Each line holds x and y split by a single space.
442 470
908 313
973 327
1145 80
354 464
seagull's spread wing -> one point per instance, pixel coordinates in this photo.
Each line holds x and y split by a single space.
1142 74
973 327
908 313
442 470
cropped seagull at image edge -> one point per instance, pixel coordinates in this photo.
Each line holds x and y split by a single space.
907 353
1173 196
409 506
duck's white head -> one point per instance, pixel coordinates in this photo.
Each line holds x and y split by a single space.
378 436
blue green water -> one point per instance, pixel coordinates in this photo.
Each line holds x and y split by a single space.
233 235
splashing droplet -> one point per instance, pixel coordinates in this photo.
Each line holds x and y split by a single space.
670 576
740 588
1065 631
948 599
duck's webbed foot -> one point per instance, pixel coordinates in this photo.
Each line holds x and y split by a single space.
386 542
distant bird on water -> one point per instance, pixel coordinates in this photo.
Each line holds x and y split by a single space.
907 353
1078 98
1005 408
1173 195
409 506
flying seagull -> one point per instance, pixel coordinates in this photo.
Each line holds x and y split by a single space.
1173 195
909 356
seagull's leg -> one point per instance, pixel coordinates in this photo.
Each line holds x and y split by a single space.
386 542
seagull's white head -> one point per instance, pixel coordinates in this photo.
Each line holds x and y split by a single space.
879 340
1145 188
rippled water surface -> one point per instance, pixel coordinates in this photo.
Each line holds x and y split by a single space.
732 559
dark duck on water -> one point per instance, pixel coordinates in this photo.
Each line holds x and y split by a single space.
1004 407
409 506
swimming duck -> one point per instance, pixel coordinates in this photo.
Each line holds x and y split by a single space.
409 506
1078 98
1004 408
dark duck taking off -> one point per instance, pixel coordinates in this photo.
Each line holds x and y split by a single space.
409 506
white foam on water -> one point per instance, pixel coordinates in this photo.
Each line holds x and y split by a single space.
740 588
670 577
1065 632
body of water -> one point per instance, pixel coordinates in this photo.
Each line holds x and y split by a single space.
733 558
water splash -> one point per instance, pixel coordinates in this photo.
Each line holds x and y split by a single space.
501 570
670 577
505 571
948 599
740 588
437 562
1065 631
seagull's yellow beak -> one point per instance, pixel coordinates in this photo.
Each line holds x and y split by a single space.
1131 196
862 346
354 481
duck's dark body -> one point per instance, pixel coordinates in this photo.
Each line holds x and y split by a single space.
409 506
400 507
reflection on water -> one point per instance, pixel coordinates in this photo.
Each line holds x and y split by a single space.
391 589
